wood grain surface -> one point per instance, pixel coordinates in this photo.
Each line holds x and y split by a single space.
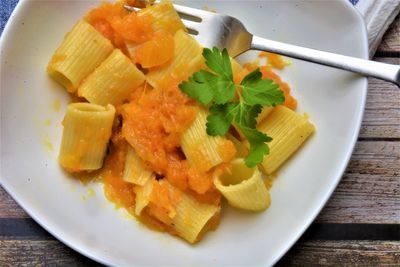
390 43
381 117
359 226
343 253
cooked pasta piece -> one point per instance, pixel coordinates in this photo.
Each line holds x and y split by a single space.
164 17
187 60
189 218
236 67
263 114
202 150
131 47
82 50
143 195
238 71
113 81
196 133
241 149
134 170
289 130
243 187
87 130
165 20
192 217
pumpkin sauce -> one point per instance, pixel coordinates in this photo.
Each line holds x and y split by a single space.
154 120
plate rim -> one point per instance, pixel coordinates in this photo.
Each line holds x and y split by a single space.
290 242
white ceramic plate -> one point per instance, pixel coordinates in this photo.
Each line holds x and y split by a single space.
31 132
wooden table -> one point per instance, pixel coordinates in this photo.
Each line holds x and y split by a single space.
360 225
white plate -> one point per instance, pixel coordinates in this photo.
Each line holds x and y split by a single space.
90 224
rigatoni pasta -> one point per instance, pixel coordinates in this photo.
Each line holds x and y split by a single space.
164 16
202 150
82 50
264 113
113 81
243 187
187 59
87 130
241 149
289 130
192 218
134 169
165 20
143 195
149 141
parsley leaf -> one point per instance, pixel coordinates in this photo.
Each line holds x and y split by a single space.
261 92
216 86
258 147
247 114
246 123
232 104
198 88
218 62
220 119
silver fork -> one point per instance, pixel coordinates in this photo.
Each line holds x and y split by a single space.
223 31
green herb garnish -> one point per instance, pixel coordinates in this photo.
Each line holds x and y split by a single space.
232 104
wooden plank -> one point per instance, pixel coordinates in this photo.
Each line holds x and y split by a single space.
304 253
391 40
40 253
9 208
369 190
343 253
382 110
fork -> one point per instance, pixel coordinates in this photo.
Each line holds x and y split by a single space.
223 31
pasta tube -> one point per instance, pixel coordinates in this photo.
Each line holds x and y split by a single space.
289 130
243 187
134 171
263 114
164 17
82 50
189 218
187 60
113 81
202 150
192 217
143 195
87 130
238 71
241 149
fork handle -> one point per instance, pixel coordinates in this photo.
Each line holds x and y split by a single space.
384 71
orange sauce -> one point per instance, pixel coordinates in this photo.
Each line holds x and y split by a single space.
103 17
276 61
268 73
57 58
162 202
227 150
116 190
133 28
290 101
155 52
153 123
